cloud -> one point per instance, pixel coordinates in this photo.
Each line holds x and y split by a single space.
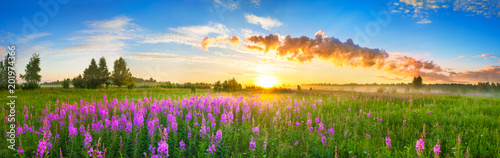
32 37
188 35
484 55
340 54
422 9
3 51
107 35
229 4
255 2
266 22
488 74
424 21
260 67
387 78
208 40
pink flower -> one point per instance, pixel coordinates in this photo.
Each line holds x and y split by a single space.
182 145
387 142
211 148
252 145
437 149
420 146
430 112
404 122
255 130
331 131
323 139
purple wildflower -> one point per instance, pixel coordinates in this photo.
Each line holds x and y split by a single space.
387 142
321 127
420 146
218 136
211 148
223 118
323 139
252 145
87 141
437 149
331 131
255 130
163 148
182 145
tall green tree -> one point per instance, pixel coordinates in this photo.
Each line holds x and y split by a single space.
103 72
78 82
417 82
4 75
121 74
31 76
91 75
65 83
218 86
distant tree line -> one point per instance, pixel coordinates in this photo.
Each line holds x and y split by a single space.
197 85
230 85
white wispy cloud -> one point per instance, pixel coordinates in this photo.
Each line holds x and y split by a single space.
422 9
229 4
256 2
105 35
424 21
216 58
266 22
32 37
3 51
188 35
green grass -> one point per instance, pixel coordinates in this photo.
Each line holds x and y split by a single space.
476 119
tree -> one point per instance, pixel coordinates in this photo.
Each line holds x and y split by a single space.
121 74
91 75
217 86
298 88
193 89
4 75
417 82
78 82
65 83
31 76
103 72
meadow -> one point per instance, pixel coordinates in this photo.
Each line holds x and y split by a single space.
159 122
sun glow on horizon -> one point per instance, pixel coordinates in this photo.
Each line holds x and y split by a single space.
266 81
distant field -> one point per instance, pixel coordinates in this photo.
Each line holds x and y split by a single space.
307 123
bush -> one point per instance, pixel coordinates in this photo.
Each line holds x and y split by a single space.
65 83
131 85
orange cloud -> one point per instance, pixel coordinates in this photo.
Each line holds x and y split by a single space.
488 74
305 49
342 54
208 41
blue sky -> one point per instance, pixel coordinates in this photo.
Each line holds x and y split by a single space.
163 39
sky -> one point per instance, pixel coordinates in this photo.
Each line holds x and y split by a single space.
254 40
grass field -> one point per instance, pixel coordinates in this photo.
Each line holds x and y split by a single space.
174 122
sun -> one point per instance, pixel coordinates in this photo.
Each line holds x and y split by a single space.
266 81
